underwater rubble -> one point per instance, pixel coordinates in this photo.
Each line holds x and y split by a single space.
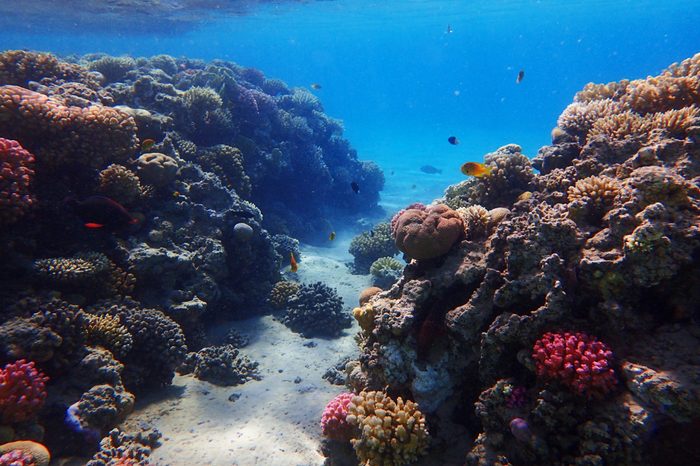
549 312
142 199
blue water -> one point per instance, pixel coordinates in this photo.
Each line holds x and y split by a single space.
401 83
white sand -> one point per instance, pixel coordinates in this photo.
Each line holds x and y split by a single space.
276 420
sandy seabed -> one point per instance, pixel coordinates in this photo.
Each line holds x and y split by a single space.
273 421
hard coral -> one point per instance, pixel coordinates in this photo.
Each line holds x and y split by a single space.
281 292
16 175
24 453
316 309
429 233
367 247
333 420
221 365
392 433
61 135
121 184
108 331
22 391
385 271
157 169
20 67
577 360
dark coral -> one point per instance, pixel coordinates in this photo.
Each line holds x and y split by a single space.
221 365
316 310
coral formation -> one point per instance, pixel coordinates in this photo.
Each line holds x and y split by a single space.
156 168
371 245
385 271
333 420
392 432
22 391
108 331
281 292
367 293
24 453
120 448
220 365
120 183
429 233
16 174
577 360
314 310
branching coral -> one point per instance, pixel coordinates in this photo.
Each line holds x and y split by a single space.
314 310
476 221
227 163
369 246
221 365
120 183
19 67
22 391
108 331
333 420
392 433
281 292
16 175
591 197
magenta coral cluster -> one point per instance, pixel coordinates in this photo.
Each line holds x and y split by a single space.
517 398
16 174
577 360
17 458
333 423
22 391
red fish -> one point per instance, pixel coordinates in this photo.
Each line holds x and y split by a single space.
101 212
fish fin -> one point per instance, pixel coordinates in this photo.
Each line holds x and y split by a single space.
93 225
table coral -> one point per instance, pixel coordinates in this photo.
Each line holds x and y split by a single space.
16 176
577 360
22 391
429 233
392 432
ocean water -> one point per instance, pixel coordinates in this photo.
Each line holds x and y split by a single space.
403 76
389 69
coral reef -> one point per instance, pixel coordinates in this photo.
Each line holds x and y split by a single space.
316 310
428 233
220 365
120 183
120 448
156 168
333 420
24 453
371 245
603 240
16 174
385 271
281 292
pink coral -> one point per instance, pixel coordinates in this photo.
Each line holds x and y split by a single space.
333 423
16 175
577 360
17 458
22 391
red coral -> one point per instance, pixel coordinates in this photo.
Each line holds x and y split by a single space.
16 175
577 360
22 391
333 423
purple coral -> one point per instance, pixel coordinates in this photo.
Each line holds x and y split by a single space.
516 398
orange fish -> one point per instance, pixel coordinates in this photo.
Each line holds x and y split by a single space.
475 169
293 266
146 144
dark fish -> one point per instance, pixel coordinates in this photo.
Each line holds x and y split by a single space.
331 237
315 86
521 75
355 187
430 169
101 212
453 140
449 29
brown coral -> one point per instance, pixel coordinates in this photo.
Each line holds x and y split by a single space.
60 135
281 292
157 169
120 183
597 192
108 331
392 433
476 220
20 66
429 233
227 163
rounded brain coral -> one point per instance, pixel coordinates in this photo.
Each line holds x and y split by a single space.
577 360
333 422
16 175
429 233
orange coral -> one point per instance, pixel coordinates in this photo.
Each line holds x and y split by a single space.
19 67
60 135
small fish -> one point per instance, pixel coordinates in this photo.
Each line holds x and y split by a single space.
331 237
176 193
101 212
521 75
524 196
430 169
453 140
355 187
146 144
315 86
413 186
475 169
392 173
293 266
449 29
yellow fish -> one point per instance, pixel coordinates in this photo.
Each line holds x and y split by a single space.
475 169
146 144
293 266
331 237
